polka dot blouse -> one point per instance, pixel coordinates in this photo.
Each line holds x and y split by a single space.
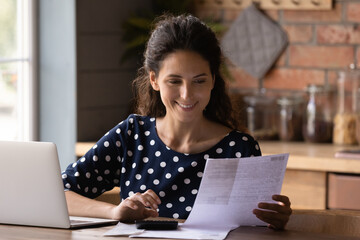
133 157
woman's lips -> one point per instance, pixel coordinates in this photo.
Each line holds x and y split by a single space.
186 106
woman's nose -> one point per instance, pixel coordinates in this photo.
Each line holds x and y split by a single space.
186 91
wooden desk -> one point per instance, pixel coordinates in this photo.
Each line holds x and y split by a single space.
303 224
336 222
244 233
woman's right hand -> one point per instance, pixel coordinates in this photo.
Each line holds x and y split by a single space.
138 206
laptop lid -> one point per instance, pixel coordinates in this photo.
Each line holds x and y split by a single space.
31 187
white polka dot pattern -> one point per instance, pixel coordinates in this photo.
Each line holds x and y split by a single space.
133 157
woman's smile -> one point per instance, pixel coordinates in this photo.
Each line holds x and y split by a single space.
187 107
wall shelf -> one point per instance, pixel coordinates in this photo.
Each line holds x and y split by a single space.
267 4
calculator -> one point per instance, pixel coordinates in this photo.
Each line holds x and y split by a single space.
156 224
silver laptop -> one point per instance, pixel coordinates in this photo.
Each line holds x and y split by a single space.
31 188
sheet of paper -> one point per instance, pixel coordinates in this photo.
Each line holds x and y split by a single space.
185 233
229 191
123 229
232 188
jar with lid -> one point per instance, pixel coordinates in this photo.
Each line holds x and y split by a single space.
290 118
319 113
345 120
261 116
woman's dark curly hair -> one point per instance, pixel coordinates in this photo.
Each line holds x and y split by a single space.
184 32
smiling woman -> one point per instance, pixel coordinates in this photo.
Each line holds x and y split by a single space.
157 156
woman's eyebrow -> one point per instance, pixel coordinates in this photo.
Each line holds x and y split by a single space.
174 76
179 76
200 75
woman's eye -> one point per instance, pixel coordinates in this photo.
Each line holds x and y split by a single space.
174 81
199 80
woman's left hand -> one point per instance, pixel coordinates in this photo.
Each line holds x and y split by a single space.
275 214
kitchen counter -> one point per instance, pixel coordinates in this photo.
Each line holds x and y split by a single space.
306 178
303 156
313 156
314 178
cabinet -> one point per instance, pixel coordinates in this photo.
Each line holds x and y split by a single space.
309 169
307 174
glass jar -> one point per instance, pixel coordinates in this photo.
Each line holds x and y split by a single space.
358 121
346 118
290 118
261 116
318 117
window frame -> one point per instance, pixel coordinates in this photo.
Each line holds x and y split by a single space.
26 59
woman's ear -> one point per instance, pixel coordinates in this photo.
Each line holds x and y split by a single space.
153 81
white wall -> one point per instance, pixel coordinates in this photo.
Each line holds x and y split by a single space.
57 76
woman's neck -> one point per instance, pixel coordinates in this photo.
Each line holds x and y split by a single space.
193 137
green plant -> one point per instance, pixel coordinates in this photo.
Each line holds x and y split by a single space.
138 26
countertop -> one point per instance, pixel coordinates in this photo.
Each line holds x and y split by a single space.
313 156
303 156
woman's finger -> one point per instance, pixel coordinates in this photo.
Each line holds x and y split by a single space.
152 198
271 215
276 208
130 204
131 209
148 212
153 195
146 199
277 220
274 224
282 198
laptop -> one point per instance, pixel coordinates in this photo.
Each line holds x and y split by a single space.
31 188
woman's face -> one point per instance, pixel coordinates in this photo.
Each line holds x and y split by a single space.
185 83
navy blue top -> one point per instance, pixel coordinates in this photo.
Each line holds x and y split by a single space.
133 157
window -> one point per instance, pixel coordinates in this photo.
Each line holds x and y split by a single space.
17 95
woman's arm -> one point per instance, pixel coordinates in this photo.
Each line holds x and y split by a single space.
138 206
86 207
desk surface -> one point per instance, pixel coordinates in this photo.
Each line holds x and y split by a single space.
244 233
303 224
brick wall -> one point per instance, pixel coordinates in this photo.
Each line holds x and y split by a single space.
321 43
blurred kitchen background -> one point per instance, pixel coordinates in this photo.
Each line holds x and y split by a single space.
80 64
292 68
321 43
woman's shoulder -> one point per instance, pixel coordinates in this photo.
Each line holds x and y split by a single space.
132 124
238 135
241 134
246 141
135 120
